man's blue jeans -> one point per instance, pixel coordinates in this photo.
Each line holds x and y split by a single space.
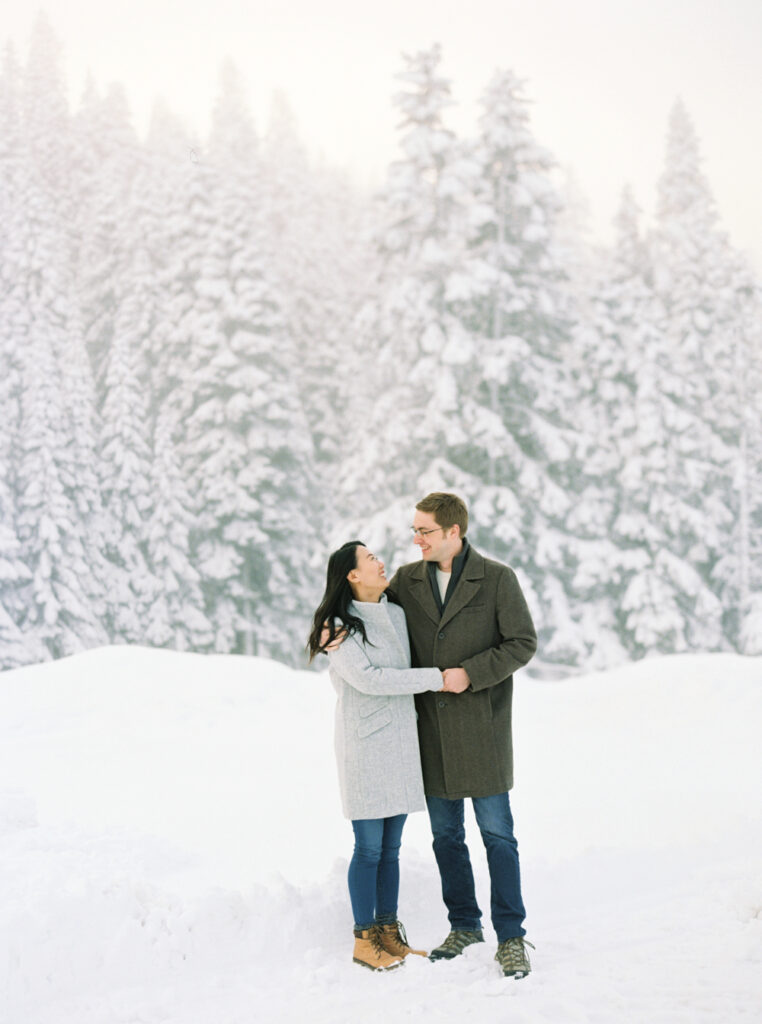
374 871
493 815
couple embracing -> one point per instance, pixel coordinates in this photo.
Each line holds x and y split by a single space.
429 735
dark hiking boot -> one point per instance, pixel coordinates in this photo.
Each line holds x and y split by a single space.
369 952
394 940
455 943
512 957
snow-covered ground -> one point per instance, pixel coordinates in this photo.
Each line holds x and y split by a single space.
172 850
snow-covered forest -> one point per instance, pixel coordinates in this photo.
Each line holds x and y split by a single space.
218 358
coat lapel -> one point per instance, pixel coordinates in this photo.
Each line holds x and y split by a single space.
420 591
467 587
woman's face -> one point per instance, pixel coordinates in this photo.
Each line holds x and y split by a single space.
368 574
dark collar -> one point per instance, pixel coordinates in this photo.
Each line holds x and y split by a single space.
457 568
457 563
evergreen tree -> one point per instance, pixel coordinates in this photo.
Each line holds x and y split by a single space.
620 355
45 114
118 313
125 467
403 406
169 221
737 575
64 609
54 507
10 117
248 447
105 163
320 256
175 617
516 433
15 648
692 275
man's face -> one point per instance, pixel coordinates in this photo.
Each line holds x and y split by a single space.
436 544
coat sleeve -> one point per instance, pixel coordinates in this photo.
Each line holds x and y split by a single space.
518 639
352 663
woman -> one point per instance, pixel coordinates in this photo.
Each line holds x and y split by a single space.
376 739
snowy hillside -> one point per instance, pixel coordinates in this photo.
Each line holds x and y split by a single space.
172 850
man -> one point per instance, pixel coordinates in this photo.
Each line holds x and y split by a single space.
466 610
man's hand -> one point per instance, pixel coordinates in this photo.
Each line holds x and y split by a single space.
455 680
338 640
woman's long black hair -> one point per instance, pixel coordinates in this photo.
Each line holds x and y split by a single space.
333 612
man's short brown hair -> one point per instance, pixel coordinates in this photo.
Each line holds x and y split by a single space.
448 510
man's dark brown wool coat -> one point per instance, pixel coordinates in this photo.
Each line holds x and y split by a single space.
486 628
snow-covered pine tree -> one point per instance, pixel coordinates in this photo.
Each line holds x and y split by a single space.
106 160
176 615
692 275
403 407
169 222
79 465
619 354
320 256
10 258
517 430
118 298
125 464
738 571
16 647
51 526
45 114
54 514
576 249
10 124
249 451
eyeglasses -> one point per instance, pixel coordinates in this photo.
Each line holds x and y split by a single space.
420 532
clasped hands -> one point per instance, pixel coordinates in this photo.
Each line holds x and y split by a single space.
455 680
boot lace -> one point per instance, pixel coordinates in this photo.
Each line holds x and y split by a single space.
511 954
457 941
374 934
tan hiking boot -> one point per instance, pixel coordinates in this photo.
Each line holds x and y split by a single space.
394 940
369 952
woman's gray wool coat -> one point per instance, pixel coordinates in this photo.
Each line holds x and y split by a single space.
376 735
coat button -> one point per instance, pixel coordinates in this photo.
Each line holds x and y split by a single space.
443 703
441 636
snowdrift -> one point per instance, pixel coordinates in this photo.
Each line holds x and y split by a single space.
172 850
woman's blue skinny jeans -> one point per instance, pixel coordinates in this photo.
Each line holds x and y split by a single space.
374 871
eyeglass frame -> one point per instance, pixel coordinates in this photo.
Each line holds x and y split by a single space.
418 531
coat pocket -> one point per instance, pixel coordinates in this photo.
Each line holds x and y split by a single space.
368 705
372 723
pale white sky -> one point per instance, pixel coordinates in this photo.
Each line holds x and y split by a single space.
603 75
